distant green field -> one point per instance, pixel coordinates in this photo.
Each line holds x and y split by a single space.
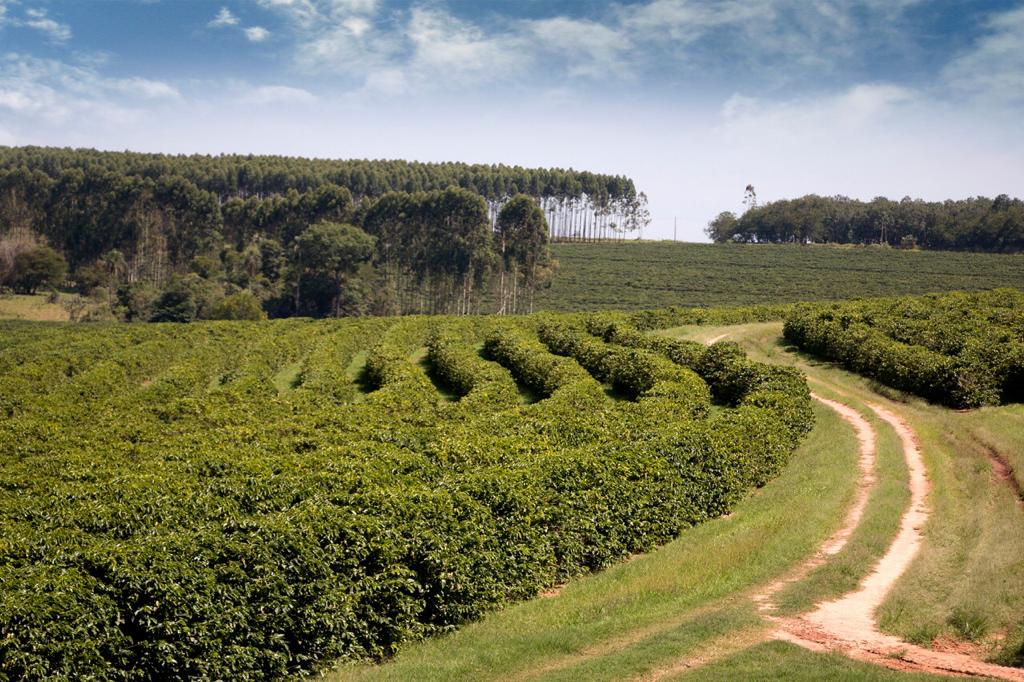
632 275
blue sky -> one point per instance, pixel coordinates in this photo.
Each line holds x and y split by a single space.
694 99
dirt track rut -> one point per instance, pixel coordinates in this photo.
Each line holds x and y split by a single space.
848 624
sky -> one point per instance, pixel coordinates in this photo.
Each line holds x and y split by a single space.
693 99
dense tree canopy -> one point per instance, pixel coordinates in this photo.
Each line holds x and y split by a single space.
326 256
93 192
522 239
976 224
133 226
36 268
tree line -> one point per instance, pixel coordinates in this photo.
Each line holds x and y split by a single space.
974 224
579 205
151 236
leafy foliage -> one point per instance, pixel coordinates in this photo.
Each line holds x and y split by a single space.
647 275
123 218
975 224
35 268
961 350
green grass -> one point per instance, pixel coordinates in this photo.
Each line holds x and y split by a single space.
989 427
877 528
35 307
646 612
970 573
288 377
633 275
789 663
969 581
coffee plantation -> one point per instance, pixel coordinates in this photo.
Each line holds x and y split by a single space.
243 500
957 349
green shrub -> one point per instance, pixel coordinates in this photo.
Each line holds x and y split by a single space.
242 306
961 350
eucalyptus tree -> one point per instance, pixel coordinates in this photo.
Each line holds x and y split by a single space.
522 243
327 255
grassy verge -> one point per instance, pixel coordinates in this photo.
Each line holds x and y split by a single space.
789 663
35 307
968 582
646 612
877 528
989 427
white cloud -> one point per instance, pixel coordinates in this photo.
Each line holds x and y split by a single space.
386 81
256 34
855 108
773 42
223 19
591 49
357 26
445 47
739 106
60 92
686 21
994 67
143 87
54 30
277 94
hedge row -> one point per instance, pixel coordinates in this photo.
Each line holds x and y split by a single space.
636 374
675 317
476 381
535 367
960 350
734 379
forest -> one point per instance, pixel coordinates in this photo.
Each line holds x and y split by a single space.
974 224
160 237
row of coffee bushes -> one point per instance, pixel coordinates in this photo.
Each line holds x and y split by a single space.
960 350
536 368
675 317
735 380
636 374
477 382
327 368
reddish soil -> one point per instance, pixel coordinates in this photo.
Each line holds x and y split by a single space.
1004 472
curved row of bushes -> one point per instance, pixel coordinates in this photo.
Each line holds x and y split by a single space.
475 380
735 380
636 374
535 367
960 350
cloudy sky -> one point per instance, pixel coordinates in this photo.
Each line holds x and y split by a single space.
693 99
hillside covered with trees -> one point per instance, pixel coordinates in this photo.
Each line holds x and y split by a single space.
152 236
975 224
